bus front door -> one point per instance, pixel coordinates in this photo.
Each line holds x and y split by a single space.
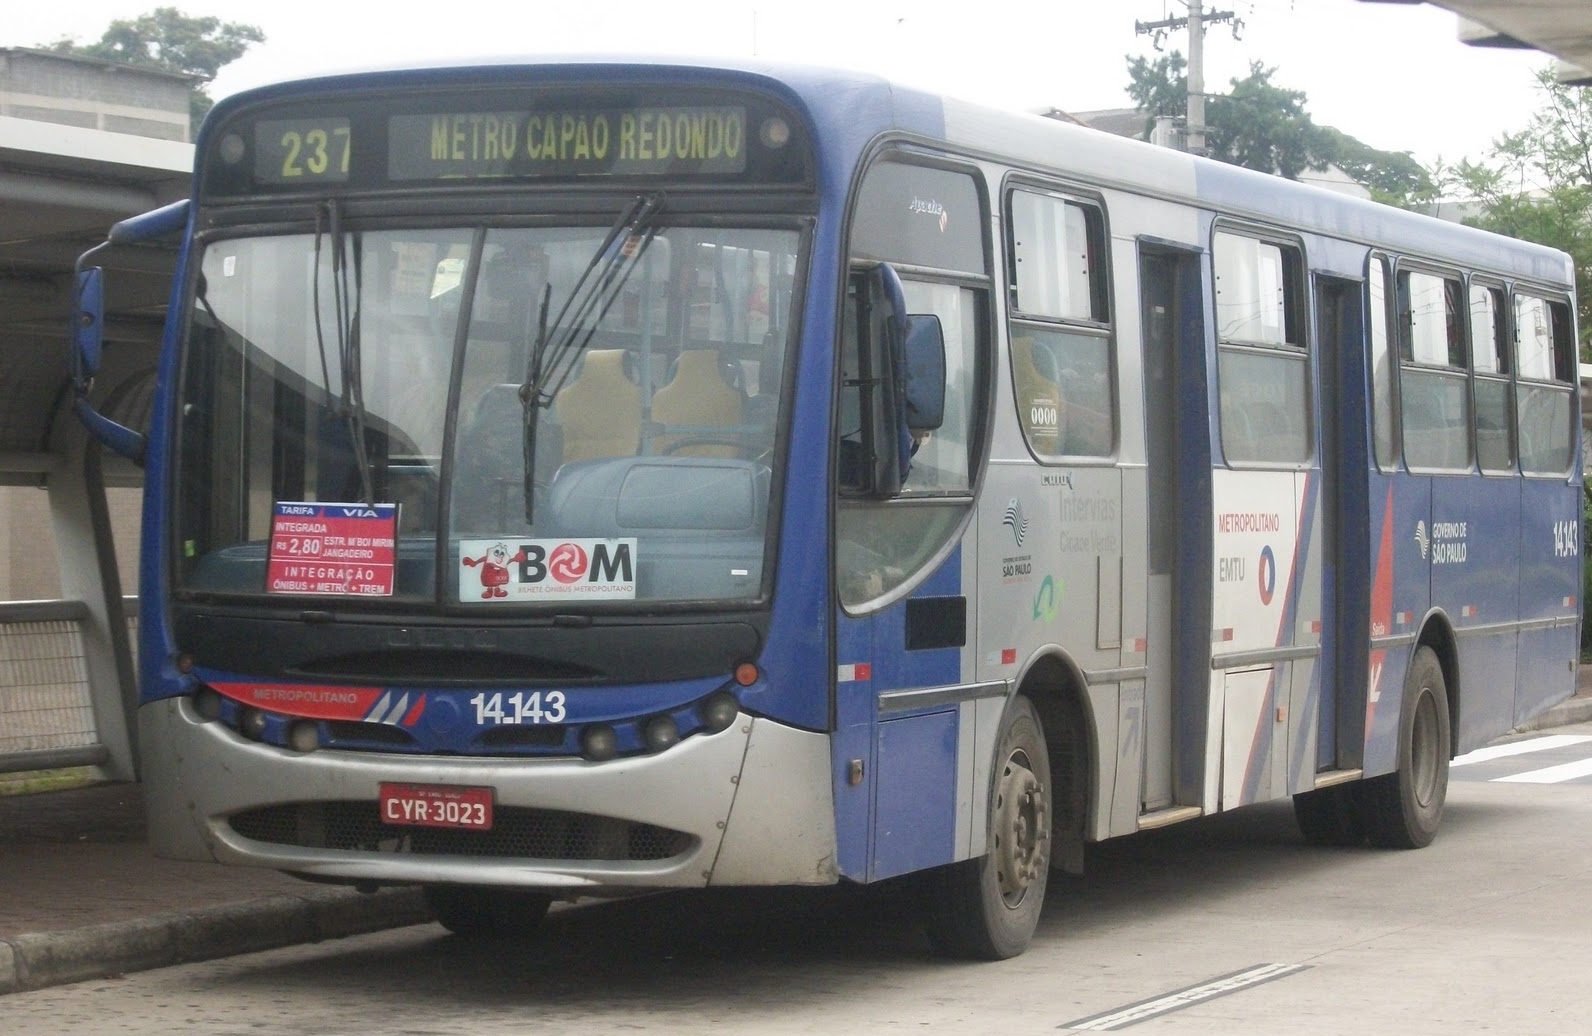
1176 446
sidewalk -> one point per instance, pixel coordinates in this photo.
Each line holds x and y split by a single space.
1575 709
82 897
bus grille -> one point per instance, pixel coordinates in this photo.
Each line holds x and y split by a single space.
538 834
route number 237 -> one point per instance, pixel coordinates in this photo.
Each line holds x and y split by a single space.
315 152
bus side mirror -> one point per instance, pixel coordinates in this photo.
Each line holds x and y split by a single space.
88 348
88 325
88 321
924 362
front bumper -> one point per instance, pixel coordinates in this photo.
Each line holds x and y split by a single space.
749 806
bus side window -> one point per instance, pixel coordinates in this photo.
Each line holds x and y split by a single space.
851 459
1384 385
1061 342
1547 382
1491 367
1262 362
1434 388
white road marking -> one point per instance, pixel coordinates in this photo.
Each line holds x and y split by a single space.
1134 1013
1550 774
1538 744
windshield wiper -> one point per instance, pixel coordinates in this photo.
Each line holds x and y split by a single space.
345 310
552 361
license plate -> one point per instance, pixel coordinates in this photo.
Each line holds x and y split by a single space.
436 805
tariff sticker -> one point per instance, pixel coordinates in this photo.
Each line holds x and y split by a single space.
344 549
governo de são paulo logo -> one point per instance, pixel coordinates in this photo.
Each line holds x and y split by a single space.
1016 520
1421 539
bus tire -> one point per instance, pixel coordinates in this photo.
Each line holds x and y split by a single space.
987 908
1403 809
1330 816
485 911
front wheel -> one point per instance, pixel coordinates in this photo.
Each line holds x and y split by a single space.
487 912
987 908
1403 809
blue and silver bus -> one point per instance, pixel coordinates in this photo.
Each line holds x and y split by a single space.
569 479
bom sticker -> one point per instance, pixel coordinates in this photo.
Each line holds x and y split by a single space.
508 570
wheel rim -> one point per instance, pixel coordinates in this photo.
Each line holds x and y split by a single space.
1424 749
1021 829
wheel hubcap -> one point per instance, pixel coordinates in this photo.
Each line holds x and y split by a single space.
1021 829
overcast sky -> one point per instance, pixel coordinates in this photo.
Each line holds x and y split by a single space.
1393 75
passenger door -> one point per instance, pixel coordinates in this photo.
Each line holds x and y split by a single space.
1177 454
1266 578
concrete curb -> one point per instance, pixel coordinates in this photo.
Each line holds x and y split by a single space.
42 959
1572 710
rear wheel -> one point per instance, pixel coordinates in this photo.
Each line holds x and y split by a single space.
1330 816
987 908
485 911
1402 810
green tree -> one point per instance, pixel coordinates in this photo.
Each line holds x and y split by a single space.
169 40
1263 126
1258 125
1537 184
1394 177
1159 88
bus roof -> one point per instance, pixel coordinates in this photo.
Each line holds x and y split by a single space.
855 109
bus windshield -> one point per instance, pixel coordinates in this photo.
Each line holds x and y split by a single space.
402 377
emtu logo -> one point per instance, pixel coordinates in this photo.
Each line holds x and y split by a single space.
1267 575
1016 520
1420 538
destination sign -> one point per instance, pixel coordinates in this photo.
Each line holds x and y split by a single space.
634 141
420 135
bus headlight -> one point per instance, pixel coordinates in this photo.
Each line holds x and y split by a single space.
718 710
304 736
207 704
599 743
661 732
252 724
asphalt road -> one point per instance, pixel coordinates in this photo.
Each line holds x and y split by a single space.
1228 925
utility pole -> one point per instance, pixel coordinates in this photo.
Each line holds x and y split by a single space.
1195 23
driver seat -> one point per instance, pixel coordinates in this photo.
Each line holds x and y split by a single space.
600 411
697 397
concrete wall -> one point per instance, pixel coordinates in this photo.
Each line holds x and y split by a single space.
72 91
29 563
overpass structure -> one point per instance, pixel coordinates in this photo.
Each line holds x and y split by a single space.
1562 28
61 187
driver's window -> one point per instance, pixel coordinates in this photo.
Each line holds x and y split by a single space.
918 219
940 460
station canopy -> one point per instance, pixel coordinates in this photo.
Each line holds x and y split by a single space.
61 188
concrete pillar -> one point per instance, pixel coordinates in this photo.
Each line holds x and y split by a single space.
87 553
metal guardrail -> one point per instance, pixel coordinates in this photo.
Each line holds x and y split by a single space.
46 709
